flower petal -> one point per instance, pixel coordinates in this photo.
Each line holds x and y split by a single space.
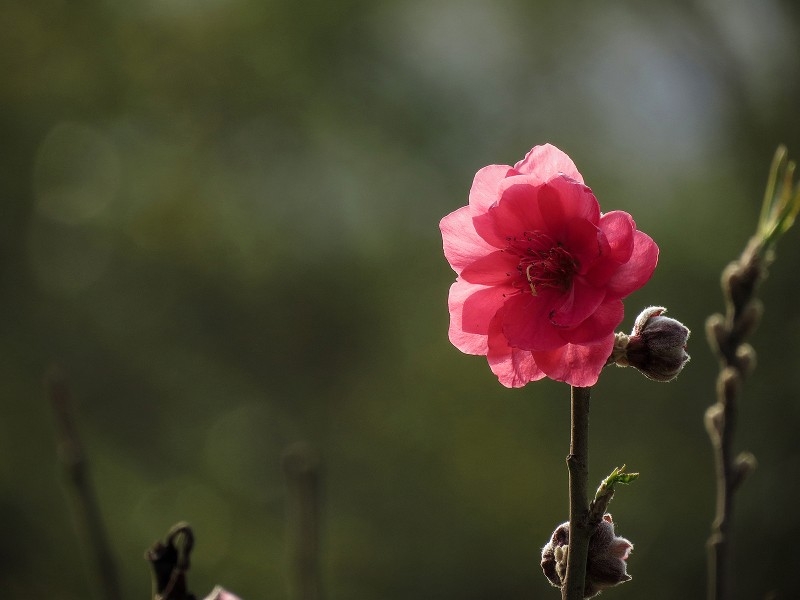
497 268
518 208
598 325
561 200
547 161
462 244
577 365
618 227
512 366
582 300
638 270
472 308
479 307
485 187
527 324
585 243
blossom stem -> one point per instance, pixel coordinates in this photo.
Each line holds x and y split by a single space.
580 528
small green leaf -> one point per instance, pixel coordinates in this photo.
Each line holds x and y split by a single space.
618 475
605 492
626 478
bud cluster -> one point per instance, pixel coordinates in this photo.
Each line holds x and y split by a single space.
606 565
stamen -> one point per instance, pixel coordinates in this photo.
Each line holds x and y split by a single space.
530 280
542 262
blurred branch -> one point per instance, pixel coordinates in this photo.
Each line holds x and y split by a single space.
727 335
89 522
720 422
301 467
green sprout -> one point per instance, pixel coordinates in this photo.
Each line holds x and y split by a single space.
605 492
618 475
781 200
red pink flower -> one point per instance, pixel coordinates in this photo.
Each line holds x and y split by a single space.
541 271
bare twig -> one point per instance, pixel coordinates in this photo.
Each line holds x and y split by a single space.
726 335
301 467
86 510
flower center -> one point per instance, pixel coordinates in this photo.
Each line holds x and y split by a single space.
543 263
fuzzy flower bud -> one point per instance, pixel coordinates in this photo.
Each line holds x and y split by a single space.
220 593
656 346
743 467
606 566
745 359
715 421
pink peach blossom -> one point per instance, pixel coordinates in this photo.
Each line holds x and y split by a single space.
541 271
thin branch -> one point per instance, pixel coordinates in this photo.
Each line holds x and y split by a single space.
737 359
88 520
580 529
726 336
301 467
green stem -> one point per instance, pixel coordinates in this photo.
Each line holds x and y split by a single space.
578 466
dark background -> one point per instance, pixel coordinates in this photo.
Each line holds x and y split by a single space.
221 218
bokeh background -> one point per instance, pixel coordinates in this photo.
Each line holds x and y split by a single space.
221 218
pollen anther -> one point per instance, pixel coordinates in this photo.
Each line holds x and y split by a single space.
529 278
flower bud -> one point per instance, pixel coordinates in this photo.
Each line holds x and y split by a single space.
745 359
743 466
729 383
220 593
657 345
606 565
555 554
715 421
717 332
731 276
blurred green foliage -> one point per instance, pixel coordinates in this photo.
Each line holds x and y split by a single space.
220 216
